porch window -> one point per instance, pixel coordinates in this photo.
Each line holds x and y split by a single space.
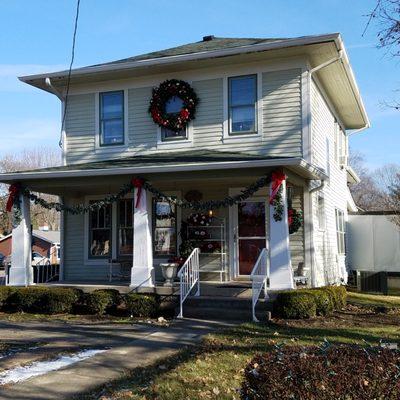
173 106
242 104
164 228
125 227
112 118
100 232
340 231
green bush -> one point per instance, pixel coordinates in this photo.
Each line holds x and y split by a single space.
295 305
141 305
29 299
323 301
5 293
101 301
60 300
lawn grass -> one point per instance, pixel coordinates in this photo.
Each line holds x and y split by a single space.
214 369
373 300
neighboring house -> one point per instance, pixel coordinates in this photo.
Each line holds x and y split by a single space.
264 104
45 244
374 251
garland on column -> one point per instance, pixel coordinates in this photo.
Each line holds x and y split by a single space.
139 183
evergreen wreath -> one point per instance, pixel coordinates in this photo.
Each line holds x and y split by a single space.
168 89
295 220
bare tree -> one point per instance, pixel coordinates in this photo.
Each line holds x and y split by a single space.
386 15
27 160
367 195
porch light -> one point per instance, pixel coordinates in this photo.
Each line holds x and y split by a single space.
210 213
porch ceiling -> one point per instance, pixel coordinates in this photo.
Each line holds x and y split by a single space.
184 165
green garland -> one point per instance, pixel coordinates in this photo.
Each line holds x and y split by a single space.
200 206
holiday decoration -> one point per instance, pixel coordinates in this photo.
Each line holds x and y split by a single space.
199 219
167 91
277 179
295 220
140 183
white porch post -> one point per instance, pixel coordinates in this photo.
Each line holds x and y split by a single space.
281 274
21 273
142 273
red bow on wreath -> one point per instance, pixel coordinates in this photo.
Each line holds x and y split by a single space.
277 179
13 191
138 184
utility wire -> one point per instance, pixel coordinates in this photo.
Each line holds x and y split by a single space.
60 143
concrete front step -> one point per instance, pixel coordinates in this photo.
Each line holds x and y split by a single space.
226 289
224 308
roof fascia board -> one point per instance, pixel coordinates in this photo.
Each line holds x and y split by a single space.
193 56
315 172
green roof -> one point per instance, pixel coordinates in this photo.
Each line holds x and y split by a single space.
213 43
157 159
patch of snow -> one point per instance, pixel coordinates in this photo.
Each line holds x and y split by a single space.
38 368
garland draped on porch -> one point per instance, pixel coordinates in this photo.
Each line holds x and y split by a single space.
140 183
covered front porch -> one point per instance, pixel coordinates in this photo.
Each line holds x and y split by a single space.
125 242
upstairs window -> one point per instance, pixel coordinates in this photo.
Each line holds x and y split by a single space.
242 104
173 106
112 118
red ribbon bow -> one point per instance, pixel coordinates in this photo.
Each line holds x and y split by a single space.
138 184
277 178
13 191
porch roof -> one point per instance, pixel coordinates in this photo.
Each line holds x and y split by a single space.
193 160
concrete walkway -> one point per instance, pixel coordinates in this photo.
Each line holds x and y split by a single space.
129 346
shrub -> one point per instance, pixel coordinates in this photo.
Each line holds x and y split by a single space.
29 299
295 304
60 300
141 305
5 293
100 301
348 372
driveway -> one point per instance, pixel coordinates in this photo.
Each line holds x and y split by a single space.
127 347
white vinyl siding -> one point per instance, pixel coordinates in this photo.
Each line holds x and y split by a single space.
280 116
329 263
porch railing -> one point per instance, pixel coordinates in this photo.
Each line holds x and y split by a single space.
189 278
259 279
45 271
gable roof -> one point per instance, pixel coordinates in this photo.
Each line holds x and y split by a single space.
321 50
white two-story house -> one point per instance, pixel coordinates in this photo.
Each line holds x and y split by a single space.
131 182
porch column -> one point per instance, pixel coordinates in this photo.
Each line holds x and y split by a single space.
281 274
21 273
142 273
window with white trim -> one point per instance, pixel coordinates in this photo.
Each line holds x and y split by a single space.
242 104
100 232
173 106
125 227
340 231
164 228
111 115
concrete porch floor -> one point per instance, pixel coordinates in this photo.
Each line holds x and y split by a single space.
240 289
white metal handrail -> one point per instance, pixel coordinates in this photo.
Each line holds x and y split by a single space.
189 278
259 277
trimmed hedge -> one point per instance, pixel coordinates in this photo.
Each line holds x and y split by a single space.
350 372
101 301
140 305
68 300
307 303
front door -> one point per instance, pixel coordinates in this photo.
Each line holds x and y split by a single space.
250 235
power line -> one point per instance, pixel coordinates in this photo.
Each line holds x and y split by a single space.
60 143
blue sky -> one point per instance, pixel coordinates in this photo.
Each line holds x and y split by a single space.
36 37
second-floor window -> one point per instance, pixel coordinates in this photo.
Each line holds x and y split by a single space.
112 118
173 106
242 104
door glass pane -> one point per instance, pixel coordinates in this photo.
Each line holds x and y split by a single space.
251 219
249 250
